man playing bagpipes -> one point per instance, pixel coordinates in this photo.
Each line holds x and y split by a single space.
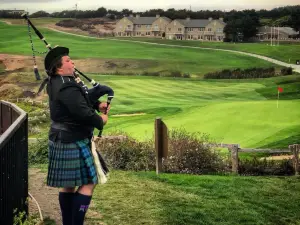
73 118
73 159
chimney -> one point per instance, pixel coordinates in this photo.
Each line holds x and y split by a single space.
137 16
222 19
188 18
157 15
210 18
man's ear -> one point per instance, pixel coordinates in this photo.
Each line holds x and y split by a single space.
58 70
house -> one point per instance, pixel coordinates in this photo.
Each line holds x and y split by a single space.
284 33
195 29
142 26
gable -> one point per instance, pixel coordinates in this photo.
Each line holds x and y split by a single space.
218 23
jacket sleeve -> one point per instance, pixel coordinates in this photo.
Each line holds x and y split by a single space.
96 105
72 98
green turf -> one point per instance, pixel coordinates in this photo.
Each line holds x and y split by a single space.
144 198
286 52
231 111
14 39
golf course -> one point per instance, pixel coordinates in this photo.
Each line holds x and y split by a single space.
245 111
248 112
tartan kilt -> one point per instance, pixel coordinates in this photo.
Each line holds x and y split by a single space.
71 164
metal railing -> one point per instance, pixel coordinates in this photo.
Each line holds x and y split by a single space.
13 162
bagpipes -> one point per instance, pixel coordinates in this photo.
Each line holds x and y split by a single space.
94 94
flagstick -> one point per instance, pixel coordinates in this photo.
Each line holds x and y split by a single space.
277 99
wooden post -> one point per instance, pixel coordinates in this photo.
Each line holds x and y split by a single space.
295 150
161 143
235 158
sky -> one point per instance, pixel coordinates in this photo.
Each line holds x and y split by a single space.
142 5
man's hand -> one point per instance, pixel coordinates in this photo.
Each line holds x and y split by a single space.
102 107
104 118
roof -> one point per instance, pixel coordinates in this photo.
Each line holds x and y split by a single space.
196 23
287 30
145 20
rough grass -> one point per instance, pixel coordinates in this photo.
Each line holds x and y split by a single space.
144 198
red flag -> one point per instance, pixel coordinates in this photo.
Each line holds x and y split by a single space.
280 89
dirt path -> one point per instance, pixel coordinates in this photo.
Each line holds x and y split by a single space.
15 62
47 199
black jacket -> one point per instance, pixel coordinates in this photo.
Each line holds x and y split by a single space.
73 117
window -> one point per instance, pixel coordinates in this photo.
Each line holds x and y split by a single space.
179 29
169 29
209 29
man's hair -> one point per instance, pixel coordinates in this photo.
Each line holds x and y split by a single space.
56 65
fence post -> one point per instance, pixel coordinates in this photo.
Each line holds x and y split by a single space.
295 150
235 158
161 143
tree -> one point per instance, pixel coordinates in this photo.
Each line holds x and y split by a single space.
40 14
295 19
101 12
241 25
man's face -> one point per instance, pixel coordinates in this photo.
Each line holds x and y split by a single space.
67 67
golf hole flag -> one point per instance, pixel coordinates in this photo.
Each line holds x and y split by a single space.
280 90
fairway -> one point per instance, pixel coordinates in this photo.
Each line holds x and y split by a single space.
286 52
14 40
243 112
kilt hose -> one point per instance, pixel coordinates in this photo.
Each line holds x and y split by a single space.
71 164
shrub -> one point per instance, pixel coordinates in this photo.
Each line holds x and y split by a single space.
34 130
190 153
242 74
265 167
175 73
128 154
38 151
286 71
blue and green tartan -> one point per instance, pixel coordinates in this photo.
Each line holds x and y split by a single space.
71 164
